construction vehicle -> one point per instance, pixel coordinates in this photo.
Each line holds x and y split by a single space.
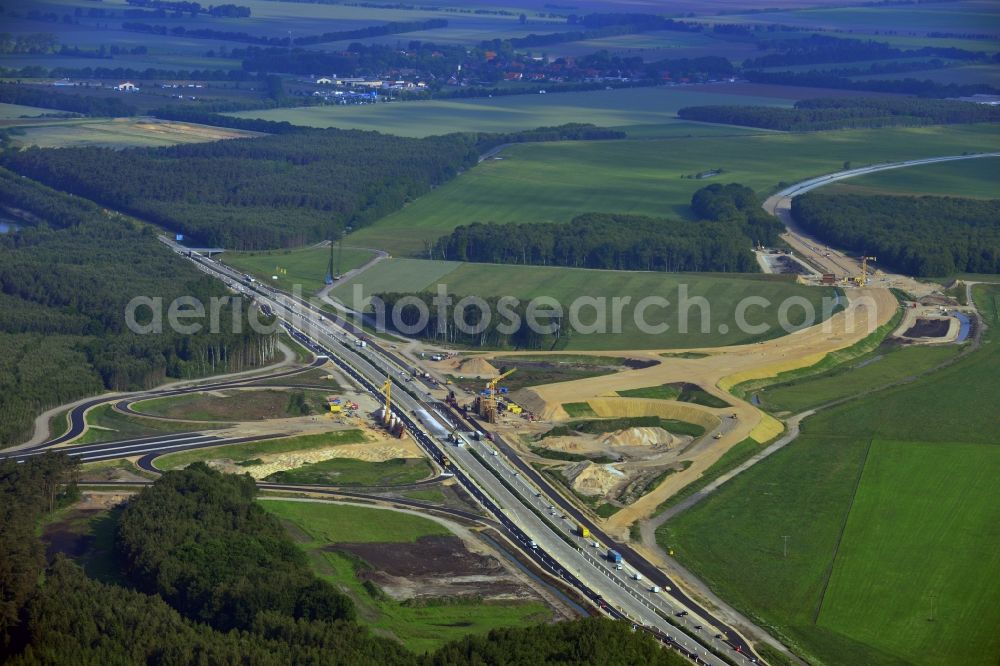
583 531
862 279
486 403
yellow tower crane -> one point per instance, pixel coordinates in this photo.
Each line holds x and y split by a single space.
387 392
862 279
488 402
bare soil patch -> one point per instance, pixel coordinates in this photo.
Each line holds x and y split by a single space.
435 567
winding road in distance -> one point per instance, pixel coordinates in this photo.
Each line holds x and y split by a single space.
815 252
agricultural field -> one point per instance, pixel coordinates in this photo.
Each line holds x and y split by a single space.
963 178
963 75
723 292
607 108
239 405
374 556
891 520
119 133
554 182
15 111
305 266
965 16
860 375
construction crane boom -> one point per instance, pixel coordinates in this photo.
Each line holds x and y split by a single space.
488 401
387 392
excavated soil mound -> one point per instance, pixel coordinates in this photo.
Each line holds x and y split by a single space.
477 367
588 478
640 437
534 403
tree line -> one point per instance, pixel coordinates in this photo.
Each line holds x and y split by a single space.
11 93
921 236
730 223
392 28
66 277
907 86
849 112
816 49
219 547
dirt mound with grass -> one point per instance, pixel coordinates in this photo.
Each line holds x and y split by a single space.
591 479
640 437
477 367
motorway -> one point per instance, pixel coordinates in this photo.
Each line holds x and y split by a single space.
579 564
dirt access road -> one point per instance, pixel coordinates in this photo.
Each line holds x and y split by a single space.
720 369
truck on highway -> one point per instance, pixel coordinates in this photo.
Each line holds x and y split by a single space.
583 531
614 556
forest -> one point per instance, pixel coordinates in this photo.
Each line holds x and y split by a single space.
53 613
249 194
65 278
921 236
11 93
848 112
816 49
298 186
730 223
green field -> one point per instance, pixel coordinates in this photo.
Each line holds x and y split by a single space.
349 472
889 505
252 450
305 266
607 108
12 111
965 16
554 182
344 523
978 178
420 627
233 406
105 424
860 375
116 133
921 514
723 292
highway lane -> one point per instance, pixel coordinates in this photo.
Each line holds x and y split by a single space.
525 526
576 517
128 448
369 366
77 416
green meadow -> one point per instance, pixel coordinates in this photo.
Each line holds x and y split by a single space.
607 108
722 291
889 507
554 182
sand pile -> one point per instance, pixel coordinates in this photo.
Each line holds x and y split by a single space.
590 479
477 367
279 462
640 437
